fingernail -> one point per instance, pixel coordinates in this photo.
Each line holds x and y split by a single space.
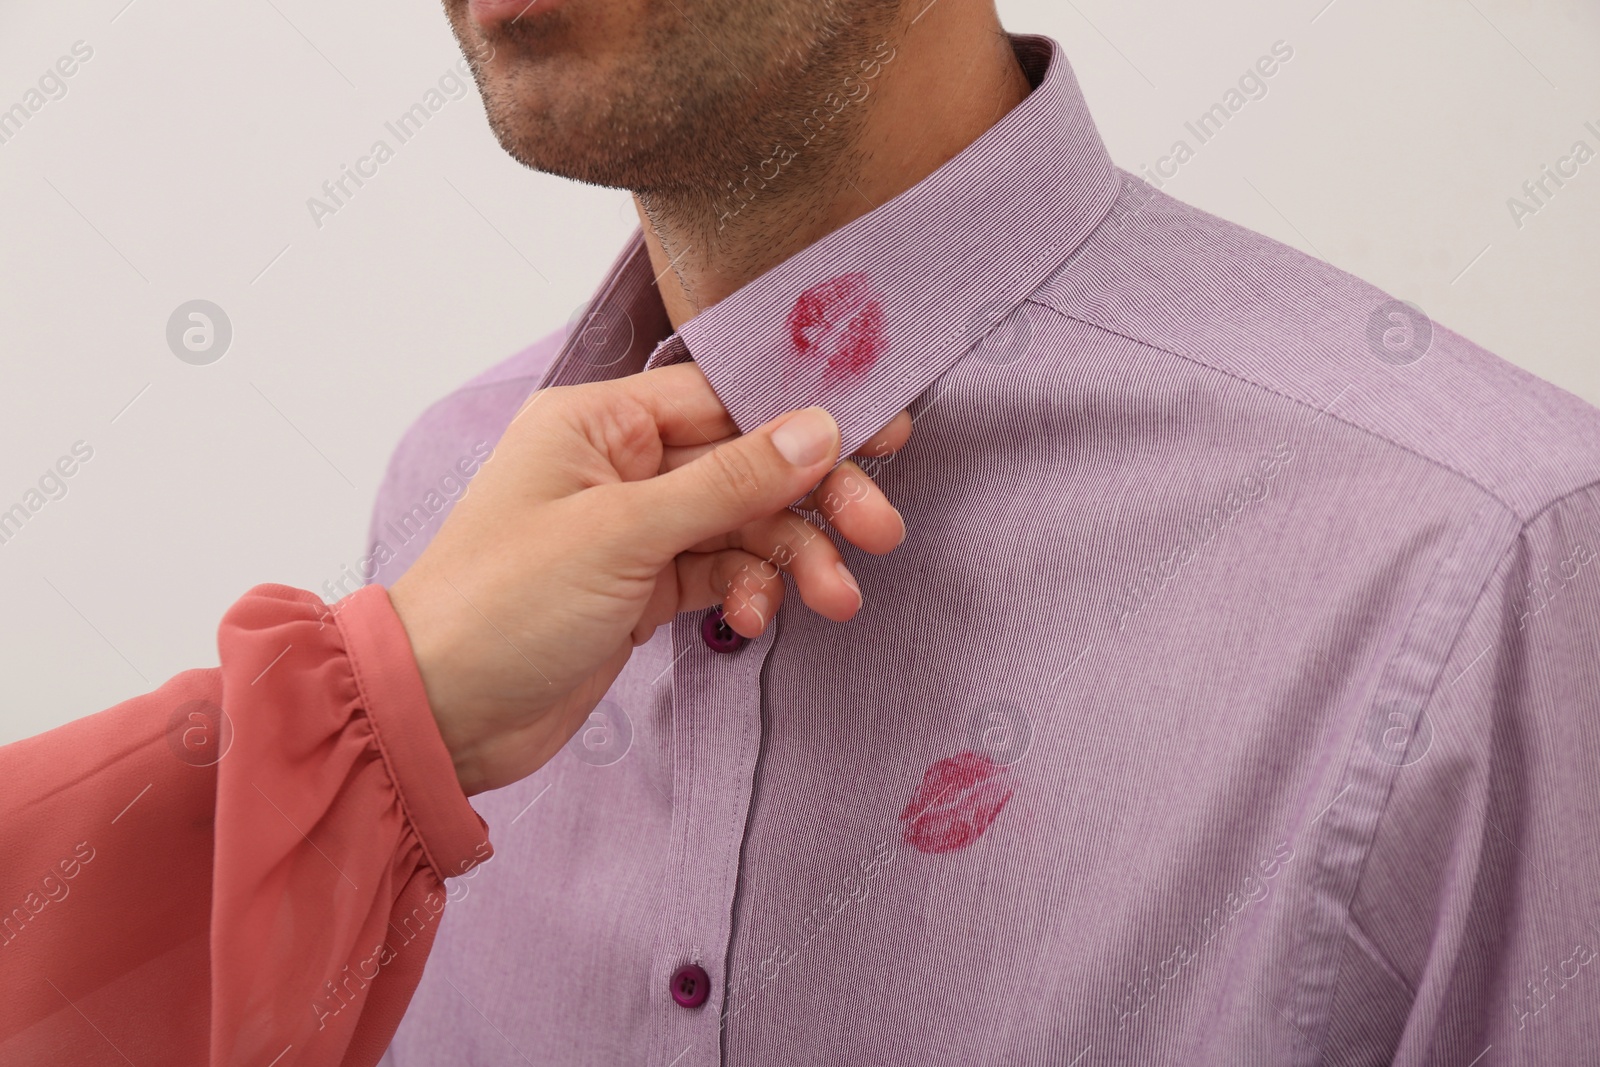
903 530
806 437
760 605
850 580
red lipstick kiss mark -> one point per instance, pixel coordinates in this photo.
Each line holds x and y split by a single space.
840 321
958 799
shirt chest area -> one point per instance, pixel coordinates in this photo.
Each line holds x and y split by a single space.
1018 800
980 787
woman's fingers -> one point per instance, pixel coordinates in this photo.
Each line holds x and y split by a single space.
847 498
886 441
850 502
891 438
853 504
781 542
789 542
747 586
742 570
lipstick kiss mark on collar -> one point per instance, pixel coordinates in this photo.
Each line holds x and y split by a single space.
959 798
840 322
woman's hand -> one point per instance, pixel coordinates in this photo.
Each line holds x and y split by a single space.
605 510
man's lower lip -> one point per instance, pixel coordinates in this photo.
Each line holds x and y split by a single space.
491 13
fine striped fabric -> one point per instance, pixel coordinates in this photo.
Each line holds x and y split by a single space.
1234 699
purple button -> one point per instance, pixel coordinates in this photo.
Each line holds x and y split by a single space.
691 985
719 635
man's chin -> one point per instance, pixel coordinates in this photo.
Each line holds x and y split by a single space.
564 146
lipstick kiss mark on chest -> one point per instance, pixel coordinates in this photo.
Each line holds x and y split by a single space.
958 798
841 322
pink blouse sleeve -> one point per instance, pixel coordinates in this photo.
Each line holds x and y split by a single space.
245 866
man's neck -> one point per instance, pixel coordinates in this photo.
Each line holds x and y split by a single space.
952 76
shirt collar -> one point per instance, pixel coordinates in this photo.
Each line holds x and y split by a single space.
865 319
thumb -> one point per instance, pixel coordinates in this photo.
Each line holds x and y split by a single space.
747 478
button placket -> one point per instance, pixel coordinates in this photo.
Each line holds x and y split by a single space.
716 723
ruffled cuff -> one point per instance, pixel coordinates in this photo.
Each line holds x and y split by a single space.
452 834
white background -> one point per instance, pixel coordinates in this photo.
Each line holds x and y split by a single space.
179 163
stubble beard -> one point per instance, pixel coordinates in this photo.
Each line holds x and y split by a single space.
704 95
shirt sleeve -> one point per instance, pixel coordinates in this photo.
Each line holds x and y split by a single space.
1479 906
245 866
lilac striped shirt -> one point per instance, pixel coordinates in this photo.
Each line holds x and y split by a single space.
1235 698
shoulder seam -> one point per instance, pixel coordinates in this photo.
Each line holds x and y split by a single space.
1557 502
1038 298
